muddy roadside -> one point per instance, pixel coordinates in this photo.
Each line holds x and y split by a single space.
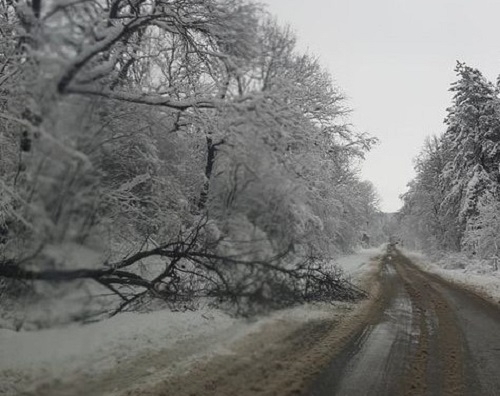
485 286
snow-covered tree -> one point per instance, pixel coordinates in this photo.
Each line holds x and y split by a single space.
423 221
484 235
471 145
188 143
458 179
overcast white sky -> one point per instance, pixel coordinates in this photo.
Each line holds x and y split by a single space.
394 59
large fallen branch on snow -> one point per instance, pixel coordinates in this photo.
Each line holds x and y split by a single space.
192 269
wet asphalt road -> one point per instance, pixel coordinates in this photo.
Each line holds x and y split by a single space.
428 338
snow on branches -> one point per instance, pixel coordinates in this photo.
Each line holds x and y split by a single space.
458 178
143 117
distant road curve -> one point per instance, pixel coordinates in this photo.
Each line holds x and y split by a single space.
429 338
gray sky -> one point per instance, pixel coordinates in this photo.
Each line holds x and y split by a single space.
394 59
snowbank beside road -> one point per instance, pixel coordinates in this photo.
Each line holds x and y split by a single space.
78 353
56 354
357 266
468 275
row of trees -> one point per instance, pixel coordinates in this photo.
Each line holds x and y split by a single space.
188 141
453 204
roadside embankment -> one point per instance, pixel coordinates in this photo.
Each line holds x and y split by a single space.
482 281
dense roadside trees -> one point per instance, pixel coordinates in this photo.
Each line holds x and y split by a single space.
452 205
174 149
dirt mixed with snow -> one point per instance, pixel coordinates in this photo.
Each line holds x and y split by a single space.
477 279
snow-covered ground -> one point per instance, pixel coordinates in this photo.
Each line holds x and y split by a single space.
356 266
31 358
471 274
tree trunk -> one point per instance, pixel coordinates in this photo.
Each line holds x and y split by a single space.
209 167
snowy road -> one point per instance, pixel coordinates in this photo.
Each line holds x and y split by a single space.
415 335
428 338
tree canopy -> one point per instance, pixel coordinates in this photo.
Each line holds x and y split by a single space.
454 197
187 142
